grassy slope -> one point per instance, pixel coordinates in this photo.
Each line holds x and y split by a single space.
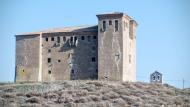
92 94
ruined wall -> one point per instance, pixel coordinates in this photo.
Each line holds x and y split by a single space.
110 49
71 56
27 58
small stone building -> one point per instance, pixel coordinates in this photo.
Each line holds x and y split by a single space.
156 77
106 51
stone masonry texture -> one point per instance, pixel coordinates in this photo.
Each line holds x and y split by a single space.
106 51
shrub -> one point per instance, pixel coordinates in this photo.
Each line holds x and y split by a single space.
33 100
95 98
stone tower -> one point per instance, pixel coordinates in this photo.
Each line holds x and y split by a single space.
116 47
106 51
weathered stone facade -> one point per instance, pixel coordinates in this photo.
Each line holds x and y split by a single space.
104 52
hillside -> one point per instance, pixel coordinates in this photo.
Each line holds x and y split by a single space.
92 94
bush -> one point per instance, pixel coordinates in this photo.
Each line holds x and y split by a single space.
33 100
95 98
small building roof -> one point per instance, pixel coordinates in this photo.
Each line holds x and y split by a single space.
66 29
156 72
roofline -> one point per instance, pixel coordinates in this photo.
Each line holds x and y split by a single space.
51 31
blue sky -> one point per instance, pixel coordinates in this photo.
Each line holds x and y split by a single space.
163 33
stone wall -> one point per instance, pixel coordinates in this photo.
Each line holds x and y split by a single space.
27 58
70 55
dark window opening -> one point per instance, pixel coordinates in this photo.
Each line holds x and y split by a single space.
158 77
71 39
59 60
154 77
72 71
94 37
104 25
49 60
129 58
93 59
93 48
96 70
75 38
82 38
49 50
89 38
58 39
110 22
52 38
47 39
64 38
49 72
116 25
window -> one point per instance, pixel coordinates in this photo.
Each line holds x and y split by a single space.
82 38
52 38
129 58
59 60
93 48
64 38
116 25
49 50
93 59
72 71
154 78
47 39
94 37
58 39
96 70
75 38
49 60
158 77
49 72
104 25
110 22
71 39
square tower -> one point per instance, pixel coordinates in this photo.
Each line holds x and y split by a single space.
116 47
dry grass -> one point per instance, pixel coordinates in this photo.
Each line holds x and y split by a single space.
93 94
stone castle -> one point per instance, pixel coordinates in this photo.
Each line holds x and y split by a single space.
106 51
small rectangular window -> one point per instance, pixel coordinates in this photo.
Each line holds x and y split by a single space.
110 22
82 38
129 58
94 37
71 39
64 38
47 39
52 38
49 72
58 39
93 59
49 60
49 50
116 25
93 48
104 25
72 71
75 38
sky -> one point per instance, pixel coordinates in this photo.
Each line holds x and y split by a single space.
163 31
